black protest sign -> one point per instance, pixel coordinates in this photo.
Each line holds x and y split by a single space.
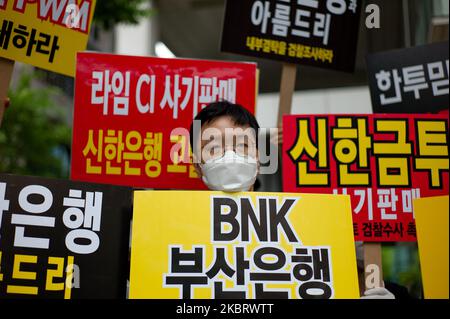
311 32
413 80
62 239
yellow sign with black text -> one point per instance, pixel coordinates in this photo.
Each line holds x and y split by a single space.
203 245
432 239
45 33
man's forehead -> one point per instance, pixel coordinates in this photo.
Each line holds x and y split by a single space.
229 132
235 132
223 123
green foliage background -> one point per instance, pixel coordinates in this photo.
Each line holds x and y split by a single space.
110 12
34 138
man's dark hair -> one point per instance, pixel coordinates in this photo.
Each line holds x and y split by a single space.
238 114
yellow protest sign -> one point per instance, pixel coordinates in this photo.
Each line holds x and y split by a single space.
432 238
244 245
45 33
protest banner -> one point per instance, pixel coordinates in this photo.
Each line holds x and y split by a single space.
61 239
242 246
132 116
412 80
382 161
45 33
297 32
432 238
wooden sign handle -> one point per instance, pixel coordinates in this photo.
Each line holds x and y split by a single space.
287 88
6 69
373 267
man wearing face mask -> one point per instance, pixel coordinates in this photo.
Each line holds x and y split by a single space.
224 138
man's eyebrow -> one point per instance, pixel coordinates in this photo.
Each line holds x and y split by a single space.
212 138
245 134
250 135
211 141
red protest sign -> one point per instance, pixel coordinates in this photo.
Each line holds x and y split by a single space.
132 116
382 161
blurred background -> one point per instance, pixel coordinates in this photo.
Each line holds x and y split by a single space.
35 137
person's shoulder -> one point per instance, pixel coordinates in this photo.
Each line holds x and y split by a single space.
400 292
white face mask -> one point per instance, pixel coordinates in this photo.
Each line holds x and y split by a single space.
230 173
